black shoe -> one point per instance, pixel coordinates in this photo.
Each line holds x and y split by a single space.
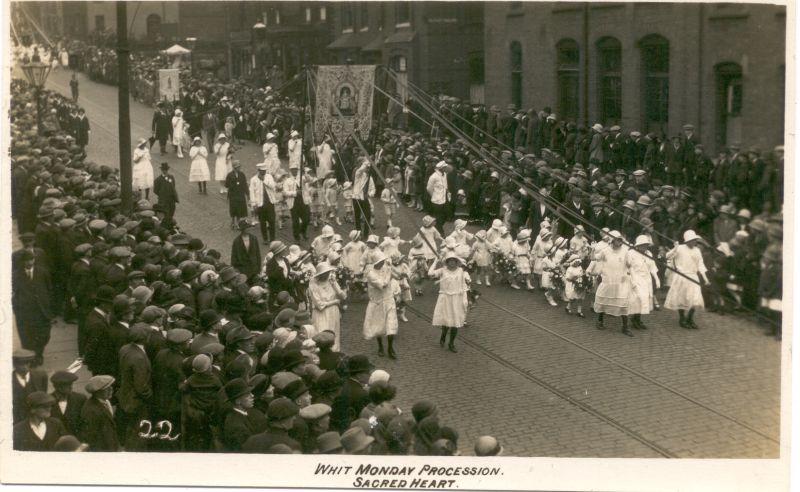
581 315
692 325
392 354
381 353
452 348
600 326
627 332
642 326
684 324
442 340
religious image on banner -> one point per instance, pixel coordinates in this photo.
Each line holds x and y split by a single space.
169 84
344 100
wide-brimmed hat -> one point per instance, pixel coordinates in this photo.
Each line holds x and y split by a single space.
355 440
323 268
276 247
689 235
643 240
221 136
615 234
428 221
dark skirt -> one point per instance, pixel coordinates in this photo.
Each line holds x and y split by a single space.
237 205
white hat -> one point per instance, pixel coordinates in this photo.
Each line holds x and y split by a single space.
372 238
524 234
141 141
597 127
323 267
262 166
196 139
327 231
460 224
378 375
615 234
639 172
690 235
494 174
294 133
222 135
643 240
441 165
725 249
453 256
497 224
270 136
379 257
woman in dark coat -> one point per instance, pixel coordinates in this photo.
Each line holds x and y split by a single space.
245 252
238 193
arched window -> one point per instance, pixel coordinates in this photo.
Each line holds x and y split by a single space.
655 87
567 62
516 74
609 71
153 23
728 103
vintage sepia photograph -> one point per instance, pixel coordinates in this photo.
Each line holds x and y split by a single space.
402 241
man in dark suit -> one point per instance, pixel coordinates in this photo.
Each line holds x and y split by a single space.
278 271
80 289
245 252
97 325
24 381
135 388
30 300
184 293
98 428
116 275
161 127
82 129
164 188
168 375
353 396
39 431
577 206
241 420
68 404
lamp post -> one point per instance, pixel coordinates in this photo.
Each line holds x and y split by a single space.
192 42
36 73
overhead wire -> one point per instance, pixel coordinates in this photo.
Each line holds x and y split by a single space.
555 206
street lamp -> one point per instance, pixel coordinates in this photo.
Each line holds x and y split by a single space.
36 73
259 36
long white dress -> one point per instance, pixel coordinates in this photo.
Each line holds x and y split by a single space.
614 289
295 152
451 306
642 271
329 317
199 169
143 174
324 159
683 293
270 151
351 255
381 316
177 130
222 165
433 239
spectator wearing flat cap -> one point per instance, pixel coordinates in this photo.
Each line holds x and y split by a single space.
99 428
135 388
168 376
116 274
24 381
68 403
282 413
242 420
184 292
31 302
353 396
245 251
39 431
80 289
97 325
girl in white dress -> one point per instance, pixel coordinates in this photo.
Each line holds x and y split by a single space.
142 178
326 296
685 293
381 315
400 285
574 290
178 132
613 292
521 251
430 238
392 242
540 248
222 164
270 150
450 312
644 273
352 253
198 172
419 264
482 258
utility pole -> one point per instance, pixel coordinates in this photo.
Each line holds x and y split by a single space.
123 98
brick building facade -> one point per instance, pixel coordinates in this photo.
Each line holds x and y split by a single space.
435 45
646 66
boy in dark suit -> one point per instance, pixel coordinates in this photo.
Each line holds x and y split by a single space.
164 188
24 381
245 252
68 404
38 432
30 300
98 429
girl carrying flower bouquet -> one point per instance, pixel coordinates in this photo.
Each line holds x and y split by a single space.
575 284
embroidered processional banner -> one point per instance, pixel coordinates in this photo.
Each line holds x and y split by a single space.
169 84
344 100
